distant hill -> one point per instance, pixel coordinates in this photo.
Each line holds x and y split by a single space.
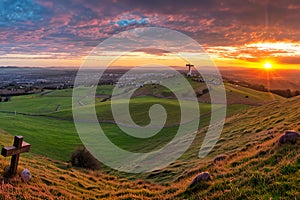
236 94
279 78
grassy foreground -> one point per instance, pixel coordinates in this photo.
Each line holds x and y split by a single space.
256 168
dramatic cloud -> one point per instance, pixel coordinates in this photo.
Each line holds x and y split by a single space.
72 28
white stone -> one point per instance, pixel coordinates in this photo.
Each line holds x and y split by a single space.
26 175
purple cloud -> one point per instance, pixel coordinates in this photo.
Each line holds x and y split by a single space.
76 26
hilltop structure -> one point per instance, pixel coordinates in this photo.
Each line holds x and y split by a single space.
189 74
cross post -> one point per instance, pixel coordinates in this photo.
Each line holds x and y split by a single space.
15 151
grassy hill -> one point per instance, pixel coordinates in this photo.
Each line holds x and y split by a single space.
241 95
52 179
256 168
48 117
60 100
58 129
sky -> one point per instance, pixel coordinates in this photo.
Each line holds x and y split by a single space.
56 33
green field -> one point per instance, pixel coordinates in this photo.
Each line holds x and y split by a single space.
49 137
46 121
257 167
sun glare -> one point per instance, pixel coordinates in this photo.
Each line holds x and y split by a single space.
268 65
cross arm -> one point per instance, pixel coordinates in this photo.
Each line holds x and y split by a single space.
12 150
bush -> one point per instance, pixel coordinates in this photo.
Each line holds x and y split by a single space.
84 159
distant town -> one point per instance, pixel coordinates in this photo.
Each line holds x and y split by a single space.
16 81
28 80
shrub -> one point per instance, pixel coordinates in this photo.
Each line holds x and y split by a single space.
81 157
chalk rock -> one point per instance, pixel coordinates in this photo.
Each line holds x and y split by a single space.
203 176
289 136
26 175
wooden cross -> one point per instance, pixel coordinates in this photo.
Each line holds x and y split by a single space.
190 69
15 151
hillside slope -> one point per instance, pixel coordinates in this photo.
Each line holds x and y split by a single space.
256 168
52 179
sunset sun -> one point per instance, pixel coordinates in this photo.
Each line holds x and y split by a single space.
267 65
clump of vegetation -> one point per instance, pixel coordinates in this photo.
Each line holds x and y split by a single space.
81 157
